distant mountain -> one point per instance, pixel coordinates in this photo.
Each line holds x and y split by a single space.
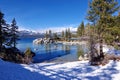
26 33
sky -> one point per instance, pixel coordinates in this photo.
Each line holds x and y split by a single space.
42 15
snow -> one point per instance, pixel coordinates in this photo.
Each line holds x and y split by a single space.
108 49
76 70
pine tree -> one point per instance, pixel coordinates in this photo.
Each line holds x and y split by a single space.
69 34
46 35
50 33
118 28
100 13
3 32
80 29
87 29
55 36
28 56
14 34
63 35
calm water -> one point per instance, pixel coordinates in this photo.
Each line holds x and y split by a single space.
50 51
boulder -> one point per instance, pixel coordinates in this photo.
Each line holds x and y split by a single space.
80 58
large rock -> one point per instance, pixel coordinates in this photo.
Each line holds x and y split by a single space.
85 57
43 40
80 58
38 41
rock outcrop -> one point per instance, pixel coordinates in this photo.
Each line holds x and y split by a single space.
43 41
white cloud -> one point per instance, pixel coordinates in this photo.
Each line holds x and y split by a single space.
21 28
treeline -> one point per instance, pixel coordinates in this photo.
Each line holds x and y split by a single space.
65 35
8 41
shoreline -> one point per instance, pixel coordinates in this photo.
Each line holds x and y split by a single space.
69 57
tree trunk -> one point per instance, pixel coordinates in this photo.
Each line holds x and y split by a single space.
0 38
101 49
14 40
92 45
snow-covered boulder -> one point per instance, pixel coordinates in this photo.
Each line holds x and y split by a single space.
85 57
38 41
80 58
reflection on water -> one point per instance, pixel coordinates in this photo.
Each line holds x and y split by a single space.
67 49
48 47
50 51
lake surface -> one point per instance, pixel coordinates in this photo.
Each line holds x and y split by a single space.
51 51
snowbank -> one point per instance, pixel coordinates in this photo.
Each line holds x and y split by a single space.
78 70
108 49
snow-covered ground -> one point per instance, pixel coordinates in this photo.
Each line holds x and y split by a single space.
108 49
77 70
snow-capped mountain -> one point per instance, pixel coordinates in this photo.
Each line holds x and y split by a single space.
28 33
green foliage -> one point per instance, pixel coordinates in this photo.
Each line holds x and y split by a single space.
46 34
80 51
100 14
63 34
14 34
2 30
28 52
8 33
108 38
50 33
28 56
11 54
80 29
111 35
66 35
69 34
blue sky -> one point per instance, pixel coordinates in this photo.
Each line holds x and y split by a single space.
44 14
41 15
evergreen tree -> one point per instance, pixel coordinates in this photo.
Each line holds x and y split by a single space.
2 30
14 34
63 34
69 34
66 34
118 28
50 33
87 29
80 29
100 13
55 36
28 56
46 35
28 52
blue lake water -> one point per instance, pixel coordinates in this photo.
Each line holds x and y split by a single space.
50 51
